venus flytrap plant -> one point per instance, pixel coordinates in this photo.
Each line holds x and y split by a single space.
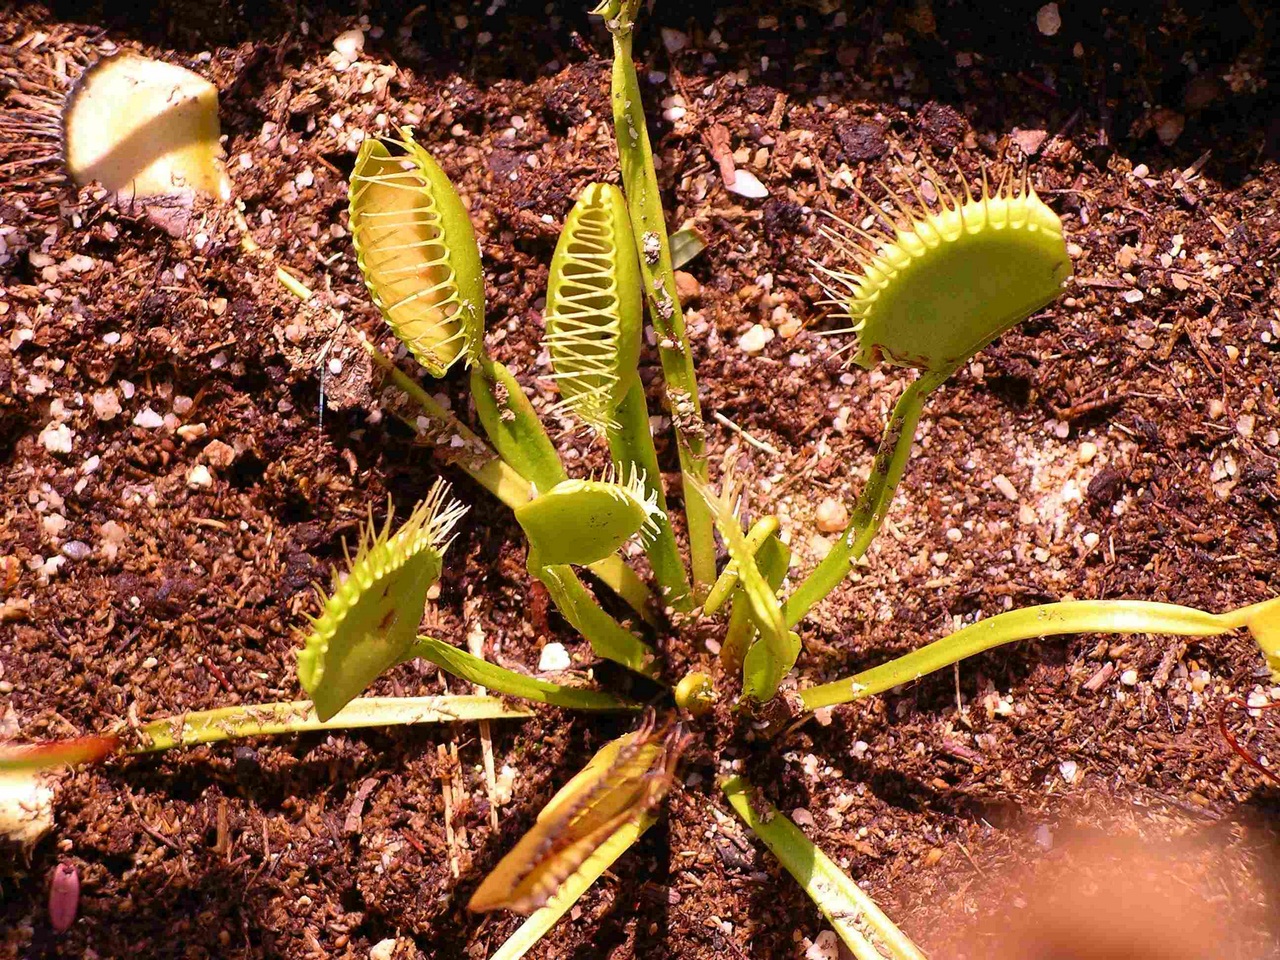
927 291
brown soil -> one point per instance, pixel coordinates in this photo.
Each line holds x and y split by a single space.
1138 435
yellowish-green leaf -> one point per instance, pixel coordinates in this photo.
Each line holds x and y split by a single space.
860 923
582 521
594 312
498 679
417 251
370 618
933 287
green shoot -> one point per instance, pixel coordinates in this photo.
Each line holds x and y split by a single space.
1051 620
644 200
727 582
853 915
417 252
370 619
468 667
686 244
772 658
773 560
583 521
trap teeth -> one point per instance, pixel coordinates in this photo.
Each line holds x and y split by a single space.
933 290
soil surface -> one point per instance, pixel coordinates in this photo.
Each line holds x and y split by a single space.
185 447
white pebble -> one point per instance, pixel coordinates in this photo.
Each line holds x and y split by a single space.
747 184
1005 486
199 478
554 658
1129 678
755 339
57 438
674 40
832 516
1070 770
148 419
105 403
76 550
349 44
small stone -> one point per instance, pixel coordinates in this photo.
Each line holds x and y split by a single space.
832 516
57 438
1030 141
148 419
1215 408
553 659
349 44
1126 256
688 289
1088 450
674 40
1244 425
1133 296
199 478
755 339
76 550
1027 514
1070 770
105 403
1129 678
219 454
747 184
1048 20
802 817
53 525
383 949
825 947
79 263
1091 540
1005 486
955 534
